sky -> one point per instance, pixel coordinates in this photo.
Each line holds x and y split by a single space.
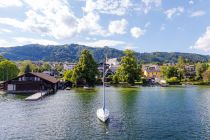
140 25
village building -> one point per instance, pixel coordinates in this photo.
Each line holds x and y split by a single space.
190 71
114 64
31 83
69 66
151 71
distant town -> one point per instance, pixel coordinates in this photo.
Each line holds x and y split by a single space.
25 76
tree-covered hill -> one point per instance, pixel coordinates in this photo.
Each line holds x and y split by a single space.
71 53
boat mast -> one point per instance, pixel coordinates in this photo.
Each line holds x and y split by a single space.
104 86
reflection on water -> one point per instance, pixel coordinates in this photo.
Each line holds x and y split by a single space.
135 113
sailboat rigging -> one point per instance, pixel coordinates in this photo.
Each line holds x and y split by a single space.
103 113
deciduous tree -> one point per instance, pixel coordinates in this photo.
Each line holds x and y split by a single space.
8 70
128 70
200 69
86 69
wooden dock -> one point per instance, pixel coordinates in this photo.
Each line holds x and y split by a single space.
36 96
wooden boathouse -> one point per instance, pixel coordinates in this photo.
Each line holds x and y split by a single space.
31 83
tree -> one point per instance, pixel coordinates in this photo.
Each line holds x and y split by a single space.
86 70
180 62
200 69
46 67
8 70
206 75
169 71
163 70
27 69
27 66
181 72
58 67
128 70
173 80
67 75
2 58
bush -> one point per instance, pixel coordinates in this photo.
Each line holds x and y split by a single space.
173 81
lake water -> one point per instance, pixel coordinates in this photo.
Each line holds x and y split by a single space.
135 113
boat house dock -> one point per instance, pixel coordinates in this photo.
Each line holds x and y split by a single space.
32 83
36 96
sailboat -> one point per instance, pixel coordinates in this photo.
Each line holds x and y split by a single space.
103 113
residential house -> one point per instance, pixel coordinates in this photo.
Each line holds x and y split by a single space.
31 83
190 71
69 66
113 63
151 71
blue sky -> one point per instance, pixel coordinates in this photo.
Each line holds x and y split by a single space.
141 25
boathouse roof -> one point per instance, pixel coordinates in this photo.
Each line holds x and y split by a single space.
46 77
43 76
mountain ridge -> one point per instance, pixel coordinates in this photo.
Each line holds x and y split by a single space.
71 53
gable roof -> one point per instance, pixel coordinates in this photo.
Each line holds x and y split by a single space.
40 75
46 77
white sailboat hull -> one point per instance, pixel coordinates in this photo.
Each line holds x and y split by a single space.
102 115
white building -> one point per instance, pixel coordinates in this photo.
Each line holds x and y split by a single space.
113 63
69 66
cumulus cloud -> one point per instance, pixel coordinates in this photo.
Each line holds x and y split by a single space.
25 40
203 42
137 32
5 31
198 13
115 7
55 18
48 17
118 26
149 4
102 43
4 43
12 22
174 11
191 2
10 3
89 23
51 17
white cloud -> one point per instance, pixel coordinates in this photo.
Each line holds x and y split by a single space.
12 22
4 43
55 18
149 4
174 11
102 43
51 17
24 40
115 7
118 26
10 3
89 23
5 31
137 32
48 17
198 13
203 42
191 2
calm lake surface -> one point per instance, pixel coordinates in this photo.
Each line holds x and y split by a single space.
135 113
